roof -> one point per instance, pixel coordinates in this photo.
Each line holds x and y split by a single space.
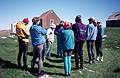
114 16
46 13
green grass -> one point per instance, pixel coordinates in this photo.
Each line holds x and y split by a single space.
109 68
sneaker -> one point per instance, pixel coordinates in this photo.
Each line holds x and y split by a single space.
97 58
90 62
101 59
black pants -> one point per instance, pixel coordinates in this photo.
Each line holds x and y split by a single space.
90 45
98 46
79 54
23 48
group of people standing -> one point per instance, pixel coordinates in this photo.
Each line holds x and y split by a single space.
70 38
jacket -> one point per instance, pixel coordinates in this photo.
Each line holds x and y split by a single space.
50 35
68 39
100 32
91 32
22 32
79 30
37 35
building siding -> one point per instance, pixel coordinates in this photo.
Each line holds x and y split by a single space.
47 16
113 23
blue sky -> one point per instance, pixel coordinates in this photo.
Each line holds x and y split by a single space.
15 10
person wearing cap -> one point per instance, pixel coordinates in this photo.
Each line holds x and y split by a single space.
68 41
50 38
23 34
57 32
98 42
37 37
91 35
79 30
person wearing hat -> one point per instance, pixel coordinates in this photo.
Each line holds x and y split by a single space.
37 37
59 28
91 37
23 34
79 30
50 39
98 42
67 42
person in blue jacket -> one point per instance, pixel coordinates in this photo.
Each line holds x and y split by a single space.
37 37
68 42
98 42
91 35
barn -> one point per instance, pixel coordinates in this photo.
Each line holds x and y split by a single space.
113 20
47 17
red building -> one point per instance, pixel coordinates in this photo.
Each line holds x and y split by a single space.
47 17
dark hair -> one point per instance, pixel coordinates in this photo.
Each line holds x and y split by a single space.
78 18
35 20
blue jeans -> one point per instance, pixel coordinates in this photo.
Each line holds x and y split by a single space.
48 48
90 44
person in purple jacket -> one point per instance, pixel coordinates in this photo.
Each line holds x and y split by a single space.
79 30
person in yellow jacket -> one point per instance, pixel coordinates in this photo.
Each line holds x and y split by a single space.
23 34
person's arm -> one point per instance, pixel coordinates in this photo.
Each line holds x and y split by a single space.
94 31
56 31
40 30
48 33
91 31
18 29
43 31
102 31
25 31
62 39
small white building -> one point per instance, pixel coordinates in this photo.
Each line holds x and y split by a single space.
13 29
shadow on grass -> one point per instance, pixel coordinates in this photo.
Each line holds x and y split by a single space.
117 70
54 55
53 73
34 72
4 64
55 60
7 64
52 66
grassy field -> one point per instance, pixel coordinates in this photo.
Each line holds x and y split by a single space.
109 68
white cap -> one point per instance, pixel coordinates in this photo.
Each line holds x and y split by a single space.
91 18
